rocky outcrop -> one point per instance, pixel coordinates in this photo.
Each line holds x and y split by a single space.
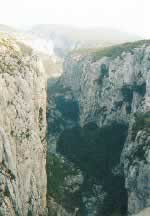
99 119
145 212
22 131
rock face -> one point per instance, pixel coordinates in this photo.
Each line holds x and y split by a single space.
99 119
22 131
145 212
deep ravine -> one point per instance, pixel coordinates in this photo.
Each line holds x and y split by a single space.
92 125
98 133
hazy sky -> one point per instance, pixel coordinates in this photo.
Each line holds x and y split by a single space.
126 15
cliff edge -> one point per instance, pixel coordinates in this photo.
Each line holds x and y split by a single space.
23 181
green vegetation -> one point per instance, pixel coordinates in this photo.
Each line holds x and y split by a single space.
56 87
116 213
141 89
104 72
40 118
12 54
6 42
25 50
112 51
11 44
58 170
142 122
30 213
96 151
115 51
127 92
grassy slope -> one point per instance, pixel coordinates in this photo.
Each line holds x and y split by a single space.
112 51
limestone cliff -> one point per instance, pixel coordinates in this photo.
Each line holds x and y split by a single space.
22 131
99 120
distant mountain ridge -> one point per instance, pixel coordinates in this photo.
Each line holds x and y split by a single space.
57 40
68 38
53 42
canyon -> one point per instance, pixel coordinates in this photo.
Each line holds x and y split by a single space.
77 144
98 132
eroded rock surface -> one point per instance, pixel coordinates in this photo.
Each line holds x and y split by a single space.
97 93
23 181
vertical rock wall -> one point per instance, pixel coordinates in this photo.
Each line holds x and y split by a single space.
22 131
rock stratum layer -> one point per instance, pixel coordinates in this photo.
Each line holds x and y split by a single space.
98 133
23 181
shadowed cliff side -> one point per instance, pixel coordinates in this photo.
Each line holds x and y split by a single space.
97 89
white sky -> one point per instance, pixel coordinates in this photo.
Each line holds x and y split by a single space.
131 16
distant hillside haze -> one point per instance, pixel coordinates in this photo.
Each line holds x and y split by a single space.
87 34
58 40
53 42
6 28
66 38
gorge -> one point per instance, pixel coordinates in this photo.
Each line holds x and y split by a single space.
78 144
98 120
